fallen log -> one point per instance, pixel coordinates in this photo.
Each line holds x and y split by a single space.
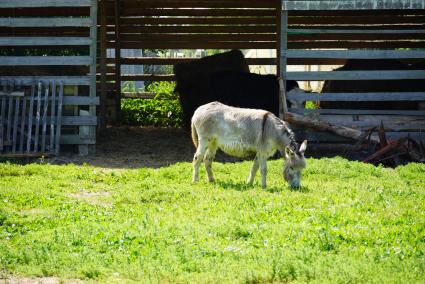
315 124
390 146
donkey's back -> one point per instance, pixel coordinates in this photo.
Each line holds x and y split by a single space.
234 130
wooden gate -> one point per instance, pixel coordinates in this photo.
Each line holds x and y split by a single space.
30 118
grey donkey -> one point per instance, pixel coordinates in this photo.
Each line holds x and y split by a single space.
241 132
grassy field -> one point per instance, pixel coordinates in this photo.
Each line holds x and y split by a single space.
349 223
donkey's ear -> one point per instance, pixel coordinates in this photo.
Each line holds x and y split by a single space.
288 152
303 147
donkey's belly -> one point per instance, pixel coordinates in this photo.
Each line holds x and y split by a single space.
237 149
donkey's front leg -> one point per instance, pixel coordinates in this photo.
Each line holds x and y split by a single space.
254 170
209 157
263 170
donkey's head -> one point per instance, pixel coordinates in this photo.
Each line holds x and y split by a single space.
295 163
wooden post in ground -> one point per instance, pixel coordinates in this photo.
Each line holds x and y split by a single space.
283 46
117 61
103 55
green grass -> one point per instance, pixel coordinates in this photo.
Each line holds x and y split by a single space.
350 223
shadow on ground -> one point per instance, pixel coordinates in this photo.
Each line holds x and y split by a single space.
136 147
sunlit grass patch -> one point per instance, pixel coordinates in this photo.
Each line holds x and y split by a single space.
350 222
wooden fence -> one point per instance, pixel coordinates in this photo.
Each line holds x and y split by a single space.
61 38
30 118
369 30
183 24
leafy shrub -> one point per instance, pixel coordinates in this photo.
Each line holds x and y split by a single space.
164 110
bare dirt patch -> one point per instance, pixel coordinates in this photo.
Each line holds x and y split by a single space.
40 280
95 198
136 147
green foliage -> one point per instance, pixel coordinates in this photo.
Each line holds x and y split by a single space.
350 223
164 110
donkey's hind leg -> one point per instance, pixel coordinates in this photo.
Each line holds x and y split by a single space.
254 170
263 171
209 157
197 158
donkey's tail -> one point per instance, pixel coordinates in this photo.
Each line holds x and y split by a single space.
194 135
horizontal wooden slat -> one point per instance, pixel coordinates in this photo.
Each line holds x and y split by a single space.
355 13
364 122
149 29
269 45
356 54
352 5
74 120
47 41
44 60
357 75
196 37
401 27
359 31
358 97
79 100
67 80
356 36
44 3
199 21
357 112
354 20
172 61
326 138
147 77
46 12
190 12
78 120
40 22
199 4
69 139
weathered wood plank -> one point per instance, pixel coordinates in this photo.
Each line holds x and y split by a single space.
313 112
43 3
44 41
44 118
355 54
357 75
59 119
44 60
270 45
183 29
15 124
67 80
391 123
199 21
117 47
93 54
23 122
9 121
30 115
42 22
352 5
139 11
103 66
172 61
87 120
147 77
197 37
358 97
2 118
77 140
359 31
52 117
37 116
78 100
